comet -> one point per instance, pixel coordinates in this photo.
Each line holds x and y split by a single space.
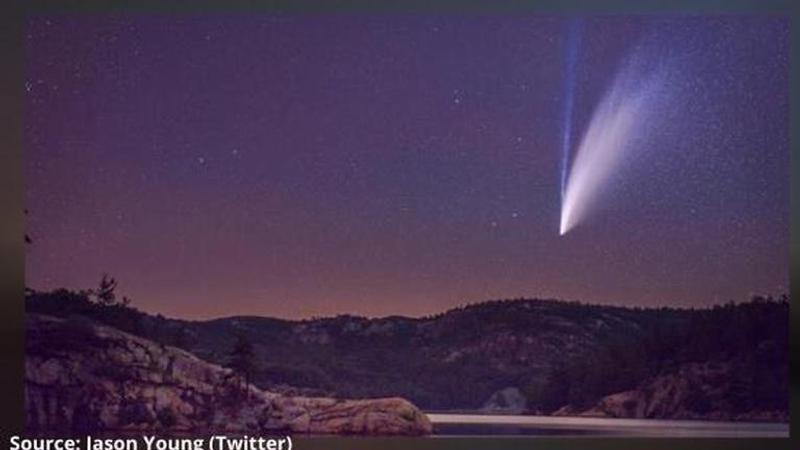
572 44
618 126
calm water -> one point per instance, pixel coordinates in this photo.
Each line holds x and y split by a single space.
478 425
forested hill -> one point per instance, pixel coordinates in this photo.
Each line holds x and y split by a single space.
727 362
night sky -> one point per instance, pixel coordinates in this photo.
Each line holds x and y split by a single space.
299 166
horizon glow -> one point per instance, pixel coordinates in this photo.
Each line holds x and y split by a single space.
341 173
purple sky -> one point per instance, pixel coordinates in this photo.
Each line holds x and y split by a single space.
395 164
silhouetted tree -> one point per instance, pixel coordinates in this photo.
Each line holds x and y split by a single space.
105 292
242 360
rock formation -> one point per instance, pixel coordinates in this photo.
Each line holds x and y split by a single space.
695 391
507 401
559 355
85 377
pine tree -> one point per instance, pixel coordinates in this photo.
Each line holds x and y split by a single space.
105 292
242 360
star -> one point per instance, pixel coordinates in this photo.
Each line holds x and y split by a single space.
333 177
456 96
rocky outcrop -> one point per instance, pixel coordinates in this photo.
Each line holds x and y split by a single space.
695 391
542 347
506 401
81 377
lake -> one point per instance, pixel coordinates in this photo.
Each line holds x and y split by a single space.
492 425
